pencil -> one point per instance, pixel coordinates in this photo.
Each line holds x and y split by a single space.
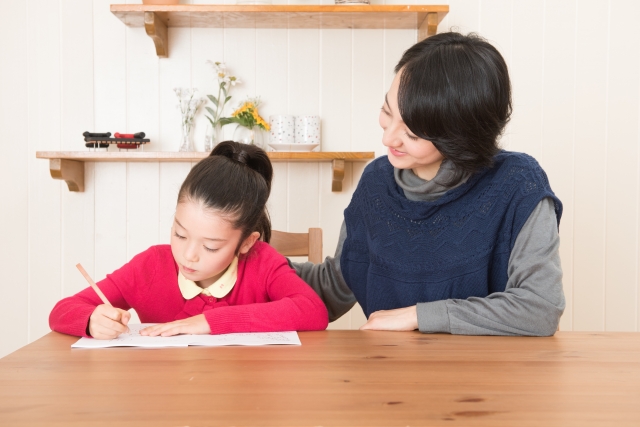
93 284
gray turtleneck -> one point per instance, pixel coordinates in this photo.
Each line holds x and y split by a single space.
531 303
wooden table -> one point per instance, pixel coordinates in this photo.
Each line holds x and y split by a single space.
335 378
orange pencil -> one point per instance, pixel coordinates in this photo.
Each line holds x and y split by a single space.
93 284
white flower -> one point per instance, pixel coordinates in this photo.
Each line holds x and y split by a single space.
188 106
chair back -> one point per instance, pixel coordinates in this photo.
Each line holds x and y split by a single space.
299 244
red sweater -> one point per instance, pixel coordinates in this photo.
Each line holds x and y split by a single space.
268 296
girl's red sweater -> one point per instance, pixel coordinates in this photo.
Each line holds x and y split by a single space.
268 296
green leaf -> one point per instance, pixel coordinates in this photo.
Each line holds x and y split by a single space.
226 120
213 99
210 110
227 99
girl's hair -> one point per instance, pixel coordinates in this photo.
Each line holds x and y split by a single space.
455 92
235 180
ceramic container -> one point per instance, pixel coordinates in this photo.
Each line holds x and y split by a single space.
282 129
307 130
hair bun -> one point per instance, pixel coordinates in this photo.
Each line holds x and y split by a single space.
248 155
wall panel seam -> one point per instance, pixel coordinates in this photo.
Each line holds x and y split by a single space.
606 156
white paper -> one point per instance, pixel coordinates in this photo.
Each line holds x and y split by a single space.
134 339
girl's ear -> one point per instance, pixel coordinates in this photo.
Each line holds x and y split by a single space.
249 242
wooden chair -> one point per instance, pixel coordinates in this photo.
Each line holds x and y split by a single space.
299 244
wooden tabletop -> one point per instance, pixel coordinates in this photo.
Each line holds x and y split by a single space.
336 378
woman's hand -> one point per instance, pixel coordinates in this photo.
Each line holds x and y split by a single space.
400 319
107 322
196 325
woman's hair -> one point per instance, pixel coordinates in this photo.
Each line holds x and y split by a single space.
455 92
235 180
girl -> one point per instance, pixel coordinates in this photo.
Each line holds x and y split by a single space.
447 233
216 276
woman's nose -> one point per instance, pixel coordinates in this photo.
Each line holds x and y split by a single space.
391 136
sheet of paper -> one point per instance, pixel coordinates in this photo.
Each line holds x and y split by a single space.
134 339
253 338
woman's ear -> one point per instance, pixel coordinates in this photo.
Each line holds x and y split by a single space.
249 242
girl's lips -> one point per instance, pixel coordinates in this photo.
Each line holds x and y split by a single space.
188 270
396 152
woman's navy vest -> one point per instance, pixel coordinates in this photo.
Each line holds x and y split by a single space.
400 252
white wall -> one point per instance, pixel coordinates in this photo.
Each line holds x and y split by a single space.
67 66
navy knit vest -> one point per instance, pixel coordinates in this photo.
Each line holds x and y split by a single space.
400 252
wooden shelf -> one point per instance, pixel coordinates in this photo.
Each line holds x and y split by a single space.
156 18
69 165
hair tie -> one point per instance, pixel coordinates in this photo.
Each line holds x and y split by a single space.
240 157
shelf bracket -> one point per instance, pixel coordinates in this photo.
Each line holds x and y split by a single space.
337 166
157 30
429 26
71 171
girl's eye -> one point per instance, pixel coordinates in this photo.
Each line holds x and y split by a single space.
412 137
209 249
178 236
385 111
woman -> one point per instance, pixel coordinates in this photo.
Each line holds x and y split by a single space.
448 233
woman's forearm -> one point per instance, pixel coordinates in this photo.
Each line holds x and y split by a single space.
533 300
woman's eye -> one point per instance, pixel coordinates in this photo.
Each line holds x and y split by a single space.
385 111
412 137
209 249
178 236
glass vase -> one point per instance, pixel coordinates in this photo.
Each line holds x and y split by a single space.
213 137
217 135
251 136
187 140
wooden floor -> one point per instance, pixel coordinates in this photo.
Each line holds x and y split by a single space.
335 378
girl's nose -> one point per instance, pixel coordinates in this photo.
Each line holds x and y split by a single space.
191 253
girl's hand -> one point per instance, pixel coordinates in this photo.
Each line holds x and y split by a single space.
400 319
106 322
196 325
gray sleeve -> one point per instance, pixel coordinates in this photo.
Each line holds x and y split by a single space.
326 279
533 300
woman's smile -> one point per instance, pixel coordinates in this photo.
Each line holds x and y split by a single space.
396 152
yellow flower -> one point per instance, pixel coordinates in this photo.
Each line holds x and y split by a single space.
247 106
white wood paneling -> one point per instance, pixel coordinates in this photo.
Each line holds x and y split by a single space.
271 72
576 94
15 164
109 70
77 116
367 90
110 218
78 234
464 15
496 26
335 83
621 227
278 204
304 71
207 45
171 177
558 123
174 72
526 72
590 136
44 123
